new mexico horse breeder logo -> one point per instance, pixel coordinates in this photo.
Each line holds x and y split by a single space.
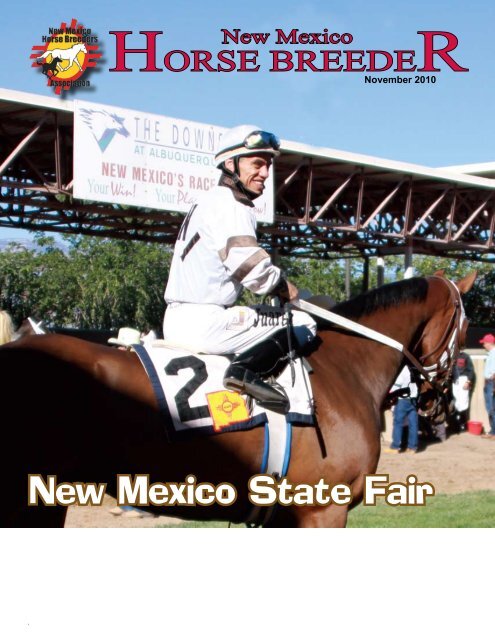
65 55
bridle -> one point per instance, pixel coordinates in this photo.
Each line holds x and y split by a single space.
438 374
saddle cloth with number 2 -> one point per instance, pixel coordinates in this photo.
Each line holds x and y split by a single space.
189 390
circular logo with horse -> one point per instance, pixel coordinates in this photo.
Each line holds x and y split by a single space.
66 55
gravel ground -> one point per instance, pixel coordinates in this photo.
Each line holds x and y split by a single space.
463 463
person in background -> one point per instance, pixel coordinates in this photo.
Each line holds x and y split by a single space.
463 378
405 409
6 328
488 342
126 338
148 337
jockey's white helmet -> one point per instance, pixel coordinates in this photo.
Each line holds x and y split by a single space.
246 140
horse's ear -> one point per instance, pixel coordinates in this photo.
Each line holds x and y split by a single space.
467 282
440 273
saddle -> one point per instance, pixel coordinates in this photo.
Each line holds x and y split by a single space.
192 397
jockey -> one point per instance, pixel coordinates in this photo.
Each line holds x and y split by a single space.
215 256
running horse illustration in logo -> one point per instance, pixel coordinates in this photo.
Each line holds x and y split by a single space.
50 69
66 54
104 125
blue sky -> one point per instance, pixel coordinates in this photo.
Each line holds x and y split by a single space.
449 122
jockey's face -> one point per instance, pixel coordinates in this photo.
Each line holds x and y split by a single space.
253 171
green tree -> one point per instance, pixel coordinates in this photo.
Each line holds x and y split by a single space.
98 284
118 283
106 284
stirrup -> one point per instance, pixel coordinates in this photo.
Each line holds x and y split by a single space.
281 405
267 396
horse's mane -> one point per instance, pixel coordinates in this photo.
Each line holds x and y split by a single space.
390 295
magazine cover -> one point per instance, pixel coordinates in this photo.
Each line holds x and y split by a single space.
246 282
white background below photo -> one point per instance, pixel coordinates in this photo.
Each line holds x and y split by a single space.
193 584
244 584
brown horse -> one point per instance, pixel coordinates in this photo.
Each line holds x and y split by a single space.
91 413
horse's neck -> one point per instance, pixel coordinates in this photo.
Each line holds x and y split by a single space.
381 363
401 323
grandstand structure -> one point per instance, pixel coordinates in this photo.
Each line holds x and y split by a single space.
328 203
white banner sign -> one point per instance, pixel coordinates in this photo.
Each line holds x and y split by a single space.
144 160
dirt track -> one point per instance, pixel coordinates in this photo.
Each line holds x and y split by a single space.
462 463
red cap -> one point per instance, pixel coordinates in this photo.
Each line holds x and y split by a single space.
488 338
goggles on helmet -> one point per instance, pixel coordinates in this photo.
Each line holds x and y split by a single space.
262 140
258 140
246 140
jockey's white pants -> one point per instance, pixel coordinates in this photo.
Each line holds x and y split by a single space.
210 328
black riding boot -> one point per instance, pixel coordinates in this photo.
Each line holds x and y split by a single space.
245 372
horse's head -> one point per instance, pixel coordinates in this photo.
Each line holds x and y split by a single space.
116 123
443 335
444 331
102 122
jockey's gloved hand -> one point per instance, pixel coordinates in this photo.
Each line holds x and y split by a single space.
285 290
